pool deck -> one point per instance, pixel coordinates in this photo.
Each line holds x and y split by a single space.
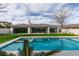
63 53
67 53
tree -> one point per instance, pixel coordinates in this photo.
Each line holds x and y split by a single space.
62 15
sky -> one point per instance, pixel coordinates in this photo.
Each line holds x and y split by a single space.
36 12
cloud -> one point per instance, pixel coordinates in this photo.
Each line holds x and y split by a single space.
39 7
37 12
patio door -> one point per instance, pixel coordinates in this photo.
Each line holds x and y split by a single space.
20 30
39 30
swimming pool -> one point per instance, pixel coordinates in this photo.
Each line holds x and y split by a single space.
44 44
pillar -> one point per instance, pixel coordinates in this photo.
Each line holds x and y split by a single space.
48 30
29 30
57 30
11 29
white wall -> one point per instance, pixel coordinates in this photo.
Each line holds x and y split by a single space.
74 31
5 30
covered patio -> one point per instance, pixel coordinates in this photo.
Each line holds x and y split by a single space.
35 28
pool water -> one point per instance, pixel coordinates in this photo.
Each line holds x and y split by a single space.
44 44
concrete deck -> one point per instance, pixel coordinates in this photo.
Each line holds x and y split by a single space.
68 53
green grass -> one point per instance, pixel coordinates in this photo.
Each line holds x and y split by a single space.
4 38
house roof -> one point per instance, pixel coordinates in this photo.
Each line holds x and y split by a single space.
20 25
33 25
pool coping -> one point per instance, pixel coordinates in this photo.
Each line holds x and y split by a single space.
49 36
8 42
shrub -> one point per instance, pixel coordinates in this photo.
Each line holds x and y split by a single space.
2 53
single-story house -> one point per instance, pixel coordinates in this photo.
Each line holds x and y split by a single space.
35 28
8 28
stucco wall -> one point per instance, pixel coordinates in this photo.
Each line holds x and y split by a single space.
75 31
5 30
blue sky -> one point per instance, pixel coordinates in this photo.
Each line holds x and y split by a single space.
36 12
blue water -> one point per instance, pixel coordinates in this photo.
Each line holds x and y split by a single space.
44 44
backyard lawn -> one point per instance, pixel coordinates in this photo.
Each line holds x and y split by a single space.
4 38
